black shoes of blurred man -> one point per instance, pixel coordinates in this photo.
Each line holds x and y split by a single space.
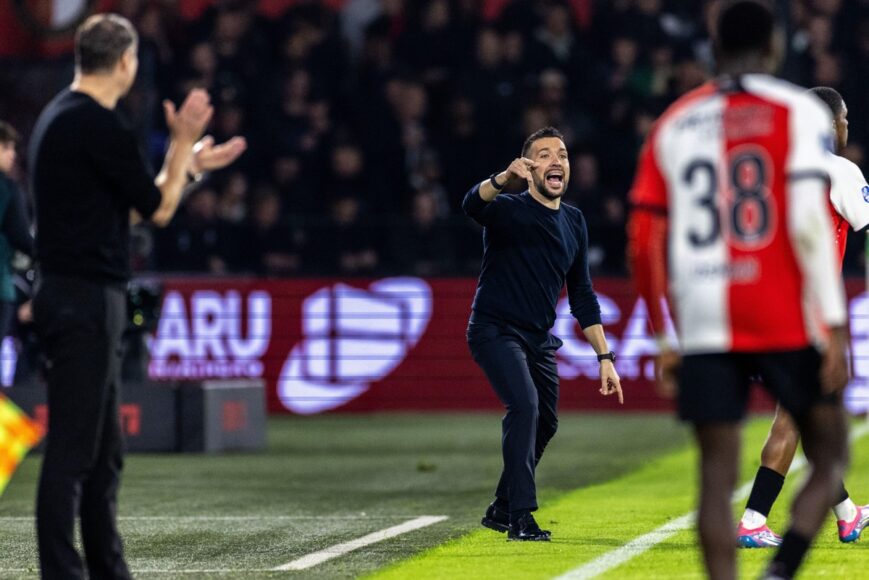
520 526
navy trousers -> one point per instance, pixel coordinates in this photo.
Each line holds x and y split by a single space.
521 367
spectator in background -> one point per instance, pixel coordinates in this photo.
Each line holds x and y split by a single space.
434 45
14 226
555 44
295 190
627 74
465 150
232 204
270 248
196 240
347 243
407 82
552 96
429 176
348 174
424 246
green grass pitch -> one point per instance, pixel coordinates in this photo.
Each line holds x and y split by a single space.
322 481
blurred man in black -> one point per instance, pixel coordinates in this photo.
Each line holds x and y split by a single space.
90 180
14 227
533 245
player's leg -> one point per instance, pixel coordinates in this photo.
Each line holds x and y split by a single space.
719 459
824 434
851 519
67 319
503 360
102 543
713 393
794 379
775 461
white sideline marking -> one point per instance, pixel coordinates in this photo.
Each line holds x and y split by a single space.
637 546
231 518
35 571
331 552
302 563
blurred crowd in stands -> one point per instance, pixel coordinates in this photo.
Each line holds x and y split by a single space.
368 120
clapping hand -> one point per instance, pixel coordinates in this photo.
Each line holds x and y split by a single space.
188 123
208 157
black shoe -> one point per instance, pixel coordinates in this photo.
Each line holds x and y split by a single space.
496 519
523 528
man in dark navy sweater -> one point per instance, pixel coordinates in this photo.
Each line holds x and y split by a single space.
532 245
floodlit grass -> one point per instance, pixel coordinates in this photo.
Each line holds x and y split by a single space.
597 519
326 480
606 480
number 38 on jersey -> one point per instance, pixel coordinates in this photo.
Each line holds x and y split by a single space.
734 201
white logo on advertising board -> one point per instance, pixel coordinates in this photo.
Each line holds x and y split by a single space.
209 342
352 338
857 393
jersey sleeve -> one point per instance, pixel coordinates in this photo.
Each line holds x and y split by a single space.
808 218
115 150
649 190
647 233
811 139
849 193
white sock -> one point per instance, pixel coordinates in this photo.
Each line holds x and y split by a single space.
846 510
753 520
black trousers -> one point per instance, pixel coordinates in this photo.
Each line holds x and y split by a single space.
521 367
80 326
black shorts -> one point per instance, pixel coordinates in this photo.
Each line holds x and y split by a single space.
715 387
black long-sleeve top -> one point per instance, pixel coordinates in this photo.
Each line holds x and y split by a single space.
87 172
529 252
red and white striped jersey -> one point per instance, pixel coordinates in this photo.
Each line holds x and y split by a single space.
731 208
849 200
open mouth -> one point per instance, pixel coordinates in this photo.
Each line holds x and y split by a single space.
555 179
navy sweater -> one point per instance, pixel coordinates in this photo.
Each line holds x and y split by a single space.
529 252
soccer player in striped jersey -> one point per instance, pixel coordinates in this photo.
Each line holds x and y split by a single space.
730 202
849 206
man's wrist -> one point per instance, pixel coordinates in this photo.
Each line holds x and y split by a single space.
609 357
493 181
183 141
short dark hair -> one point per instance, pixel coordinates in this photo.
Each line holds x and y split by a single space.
744 26
8 134
540 134
831 98
100 42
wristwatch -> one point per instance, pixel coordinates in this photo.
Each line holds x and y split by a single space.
495 183
610 356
